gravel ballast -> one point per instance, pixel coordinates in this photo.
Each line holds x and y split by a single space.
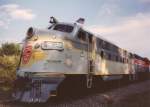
131 95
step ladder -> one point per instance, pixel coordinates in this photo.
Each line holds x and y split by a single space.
91 64
90 73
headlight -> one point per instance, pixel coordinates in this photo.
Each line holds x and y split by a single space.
47 45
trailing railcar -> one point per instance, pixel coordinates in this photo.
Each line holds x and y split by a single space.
67 50
141 66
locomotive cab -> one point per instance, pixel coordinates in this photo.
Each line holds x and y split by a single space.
44 50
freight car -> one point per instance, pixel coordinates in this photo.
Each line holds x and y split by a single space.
65 51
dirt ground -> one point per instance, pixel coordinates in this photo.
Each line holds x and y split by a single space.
136 100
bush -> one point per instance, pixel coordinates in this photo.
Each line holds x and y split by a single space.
9 59
8 67
10 49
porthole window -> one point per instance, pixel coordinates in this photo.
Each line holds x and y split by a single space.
117 58
109 56
127 60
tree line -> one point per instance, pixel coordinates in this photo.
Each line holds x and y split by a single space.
9 49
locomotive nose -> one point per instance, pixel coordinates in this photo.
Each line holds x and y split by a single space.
38 88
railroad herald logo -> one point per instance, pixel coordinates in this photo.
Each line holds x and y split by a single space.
27 52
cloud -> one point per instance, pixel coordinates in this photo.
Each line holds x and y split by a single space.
16 12
109 9
145 1
131 33
1 23
11 12
127 24
4 23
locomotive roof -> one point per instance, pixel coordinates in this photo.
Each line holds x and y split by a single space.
47 31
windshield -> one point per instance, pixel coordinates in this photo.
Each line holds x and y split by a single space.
64 28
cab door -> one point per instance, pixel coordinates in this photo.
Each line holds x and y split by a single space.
91 40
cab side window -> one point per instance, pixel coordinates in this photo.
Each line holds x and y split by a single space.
81 35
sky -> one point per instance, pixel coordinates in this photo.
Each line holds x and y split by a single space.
126 23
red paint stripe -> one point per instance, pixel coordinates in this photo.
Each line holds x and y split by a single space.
27 52
141 63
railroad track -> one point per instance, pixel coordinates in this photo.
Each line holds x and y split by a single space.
109 95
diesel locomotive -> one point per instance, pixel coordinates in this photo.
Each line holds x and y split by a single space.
67 50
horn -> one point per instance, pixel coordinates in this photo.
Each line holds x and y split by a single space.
53 20
80 20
